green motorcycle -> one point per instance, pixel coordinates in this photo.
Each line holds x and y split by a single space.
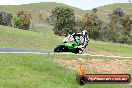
74 43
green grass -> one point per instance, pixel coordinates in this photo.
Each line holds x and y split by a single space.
45 39
17 38
38 71
113 48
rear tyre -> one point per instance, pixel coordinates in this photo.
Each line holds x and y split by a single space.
61 48
58 49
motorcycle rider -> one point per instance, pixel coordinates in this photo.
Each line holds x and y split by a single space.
85 37
75 43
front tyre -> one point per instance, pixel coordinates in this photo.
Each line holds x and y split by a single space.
78 51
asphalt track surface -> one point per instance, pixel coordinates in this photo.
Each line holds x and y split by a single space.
24 51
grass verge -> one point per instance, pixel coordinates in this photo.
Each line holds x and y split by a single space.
38 71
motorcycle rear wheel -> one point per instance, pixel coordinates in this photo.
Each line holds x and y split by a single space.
61 48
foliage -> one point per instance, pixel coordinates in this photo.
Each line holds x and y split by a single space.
123 39
117 30
17 22
22 21
119 27
126 24
78 25
64 20
119 20
94 10
92 24
119 12
5 19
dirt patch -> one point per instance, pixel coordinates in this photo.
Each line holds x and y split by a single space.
115 66
94 52
100 66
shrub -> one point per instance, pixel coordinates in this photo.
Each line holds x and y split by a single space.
92 24
22 21
64 20
5 19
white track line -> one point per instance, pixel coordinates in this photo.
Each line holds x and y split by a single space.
104 56
46 53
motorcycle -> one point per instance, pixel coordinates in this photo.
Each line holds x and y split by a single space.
75 43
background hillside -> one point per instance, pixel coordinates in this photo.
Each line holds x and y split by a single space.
40 11
103 11
44 9
57 71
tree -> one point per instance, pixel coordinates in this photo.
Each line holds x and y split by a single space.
63 20
17 22
5 19
120 21
92 24
119 12
22 21
116 18
94 10
126 24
